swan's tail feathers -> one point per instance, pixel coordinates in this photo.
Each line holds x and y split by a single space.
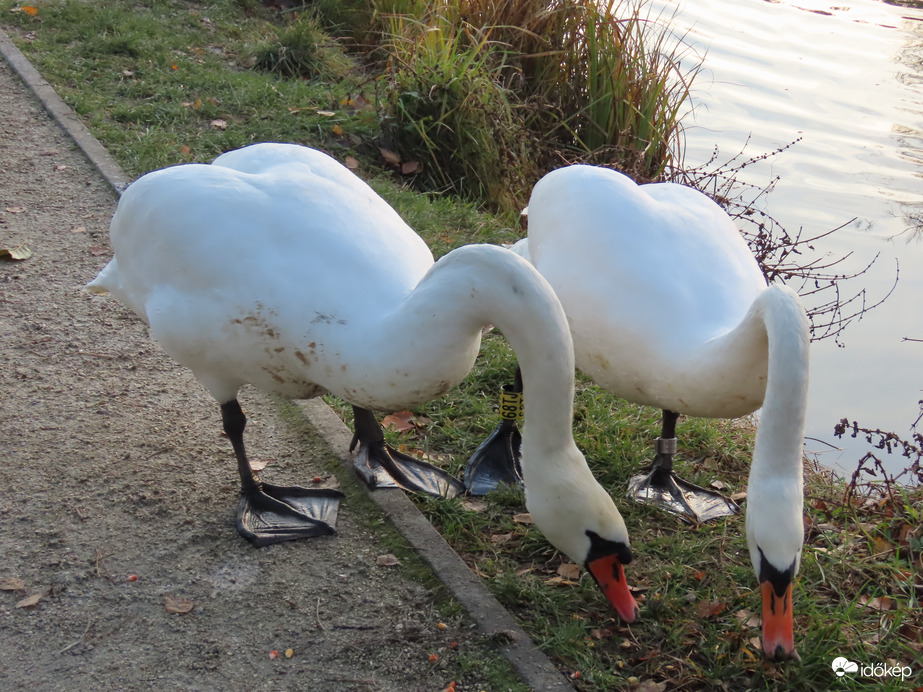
104 281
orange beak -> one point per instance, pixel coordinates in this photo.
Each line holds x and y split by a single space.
778 624
609 574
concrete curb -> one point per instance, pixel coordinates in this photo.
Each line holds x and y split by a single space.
533 666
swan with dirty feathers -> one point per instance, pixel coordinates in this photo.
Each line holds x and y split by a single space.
278 267
668 308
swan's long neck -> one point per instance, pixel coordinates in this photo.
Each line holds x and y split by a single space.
780 434
477 285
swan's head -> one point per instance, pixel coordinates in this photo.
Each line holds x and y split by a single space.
579 518
775 534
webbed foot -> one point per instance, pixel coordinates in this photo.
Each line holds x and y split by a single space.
270 514
662 487
382 466
497 460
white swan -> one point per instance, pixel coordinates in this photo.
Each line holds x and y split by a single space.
278 267
668 307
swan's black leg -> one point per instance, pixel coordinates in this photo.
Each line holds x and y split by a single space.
270 513
497 460
382 466
661 486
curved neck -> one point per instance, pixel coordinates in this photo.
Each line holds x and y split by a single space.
780 435
477 285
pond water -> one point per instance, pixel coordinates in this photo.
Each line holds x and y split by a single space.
846 77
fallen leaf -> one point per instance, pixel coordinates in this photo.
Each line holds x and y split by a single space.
756 643
351 163
16 210
99 250
707 609
747 619
569 570
219 124
185 150
524 518
179 606
31 601
289 653
904 533
29 10
474 505
402 421
337 130
60 167
881 603
387 560
258 464
410 167
739 497
650 686
390 156
718 485
20 252
501 538
326 114
78 229
881 545
603 633
12 584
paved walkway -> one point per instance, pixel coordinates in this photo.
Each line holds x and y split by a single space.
110 466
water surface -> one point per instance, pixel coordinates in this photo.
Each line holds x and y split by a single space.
846 80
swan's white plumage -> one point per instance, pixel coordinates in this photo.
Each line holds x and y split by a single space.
278 267
668 307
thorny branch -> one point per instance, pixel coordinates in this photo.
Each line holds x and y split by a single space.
871 466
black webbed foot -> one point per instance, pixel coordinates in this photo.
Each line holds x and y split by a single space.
268 513
382 466
662 487
497 460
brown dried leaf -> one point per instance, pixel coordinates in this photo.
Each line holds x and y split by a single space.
219 124
351 163
569 570
402 421
79 229
387 560
258 464
410 167
524 518
12 584
179 606
747 619
707 609
501 538
31 601
881 603
391 157
326 114
474 505
99 250
650 686
20 252
881 545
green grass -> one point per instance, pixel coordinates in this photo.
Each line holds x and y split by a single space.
151 79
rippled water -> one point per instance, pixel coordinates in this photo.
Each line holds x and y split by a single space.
846 78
